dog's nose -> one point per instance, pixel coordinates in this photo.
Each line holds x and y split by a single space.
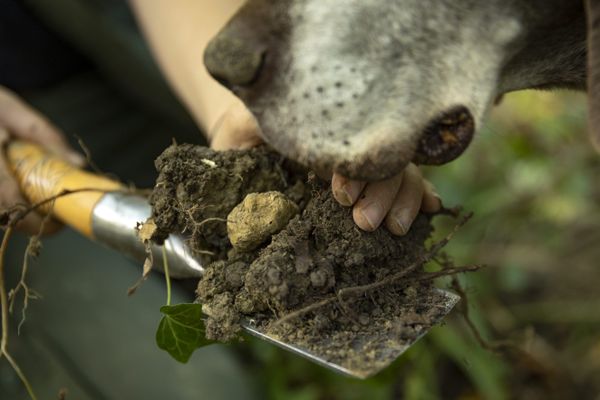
445 137
233 60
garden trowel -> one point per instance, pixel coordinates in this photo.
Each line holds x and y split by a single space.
104 210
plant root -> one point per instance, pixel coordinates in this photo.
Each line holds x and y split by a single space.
356 291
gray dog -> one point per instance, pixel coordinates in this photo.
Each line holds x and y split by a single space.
363 87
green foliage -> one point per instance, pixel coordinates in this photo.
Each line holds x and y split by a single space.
181 330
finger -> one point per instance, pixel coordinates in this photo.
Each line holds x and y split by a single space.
346 191
431 200
32 222
407 203
24 122
370 210
236 129
10 196
32 225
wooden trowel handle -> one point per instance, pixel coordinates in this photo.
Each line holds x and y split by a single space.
42 175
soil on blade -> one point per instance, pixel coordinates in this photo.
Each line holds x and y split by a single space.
198 187
287 286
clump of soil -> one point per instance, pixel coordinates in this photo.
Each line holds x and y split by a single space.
308 283
257 217
198 187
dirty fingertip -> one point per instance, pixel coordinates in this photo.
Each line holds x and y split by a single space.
247 144
340 190
431 202
342 196
346 191
398 225
368 217
30 224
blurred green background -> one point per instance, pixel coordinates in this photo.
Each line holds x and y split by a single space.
533 182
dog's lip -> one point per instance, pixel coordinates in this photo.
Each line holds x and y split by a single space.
367 162
367 170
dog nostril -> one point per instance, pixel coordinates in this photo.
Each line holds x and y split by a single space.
233 61
446 137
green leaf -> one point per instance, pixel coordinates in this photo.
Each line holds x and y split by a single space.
181 330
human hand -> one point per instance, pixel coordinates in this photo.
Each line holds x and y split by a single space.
396 201
235 129
18 120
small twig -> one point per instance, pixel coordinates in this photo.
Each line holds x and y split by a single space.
28 293
356 290
452 212
210 220
20 374
495 347
4 307
433 251
146 269
3 296
32 250
305 310
88 156
450 271
206 252
167 277
20 211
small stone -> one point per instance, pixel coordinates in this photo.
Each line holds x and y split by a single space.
234 274
363 319
321 322
146 230
206 309
318 278
410 292
244 303
257 218
274 276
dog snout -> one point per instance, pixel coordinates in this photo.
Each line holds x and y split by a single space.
446 137
234 60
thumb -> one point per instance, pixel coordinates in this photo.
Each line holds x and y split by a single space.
236 129
24 122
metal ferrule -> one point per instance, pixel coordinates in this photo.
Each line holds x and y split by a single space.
114 220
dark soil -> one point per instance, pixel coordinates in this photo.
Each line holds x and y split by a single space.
197 188
319 252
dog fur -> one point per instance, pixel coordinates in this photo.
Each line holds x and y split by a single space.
351 85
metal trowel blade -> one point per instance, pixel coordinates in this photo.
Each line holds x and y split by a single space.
367 357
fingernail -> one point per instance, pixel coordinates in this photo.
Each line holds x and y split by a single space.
372 214
403 224
248 144
351 192
343 197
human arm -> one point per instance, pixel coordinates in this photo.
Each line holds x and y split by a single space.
19 120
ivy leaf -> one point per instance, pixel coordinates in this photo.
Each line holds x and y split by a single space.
181 330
